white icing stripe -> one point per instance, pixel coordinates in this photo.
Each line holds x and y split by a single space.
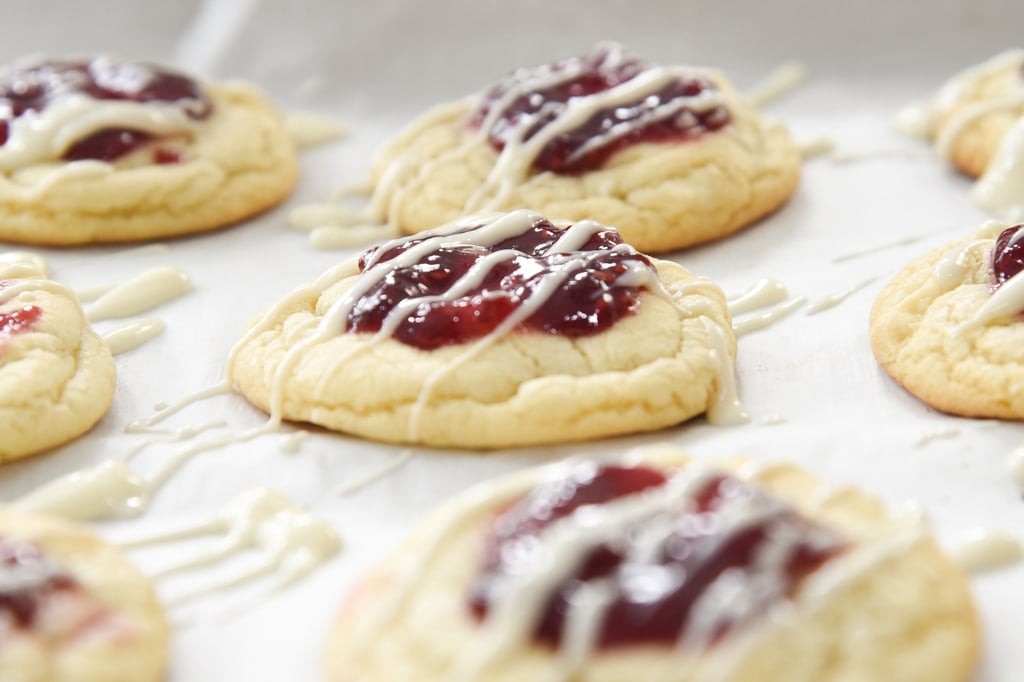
517 156
140 294
517 600
1001 188
763 293
831 301
290 540
852 255
311 130
330 237
35 260
986 550
920 118
784 79
39 136
726 408
757 321
953 130
133 334
1015 467
1005 304
359 484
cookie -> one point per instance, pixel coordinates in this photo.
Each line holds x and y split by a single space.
969 117
495 331
672 156
660 569
72 609
948 326
110 151
56 374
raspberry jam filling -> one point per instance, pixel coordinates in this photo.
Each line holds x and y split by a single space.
27 578
19 320
36 87
710 554
449 296
1007 255
532 99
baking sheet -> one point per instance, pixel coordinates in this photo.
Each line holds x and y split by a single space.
374 66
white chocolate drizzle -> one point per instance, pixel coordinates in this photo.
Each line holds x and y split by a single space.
291 442
726 408
853 255
1015 467
41 136
89 294
133 334
311 216
944 433
784 79
140 294
383 471
764 293
757 321
985 549
920 119
311 130
1000 189
35 260
330 237
819 146
832 300
516 158
291 541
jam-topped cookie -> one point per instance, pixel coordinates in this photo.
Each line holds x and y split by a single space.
72 609
672 156
977 121
102 150
660 569
950 326
493 331
56 374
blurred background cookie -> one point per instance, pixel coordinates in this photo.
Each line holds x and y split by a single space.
72 609
56 374
104 150
662 569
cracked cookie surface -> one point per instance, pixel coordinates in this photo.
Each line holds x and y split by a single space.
651 369
233 164
72 609
56 374
889 607
661 195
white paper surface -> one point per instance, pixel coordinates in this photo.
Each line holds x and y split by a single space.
374 66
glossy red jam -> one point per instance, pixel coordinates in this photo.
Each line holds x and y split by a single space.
654 593
35 87
1007 255
27 576
19 320
589 299
540 104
